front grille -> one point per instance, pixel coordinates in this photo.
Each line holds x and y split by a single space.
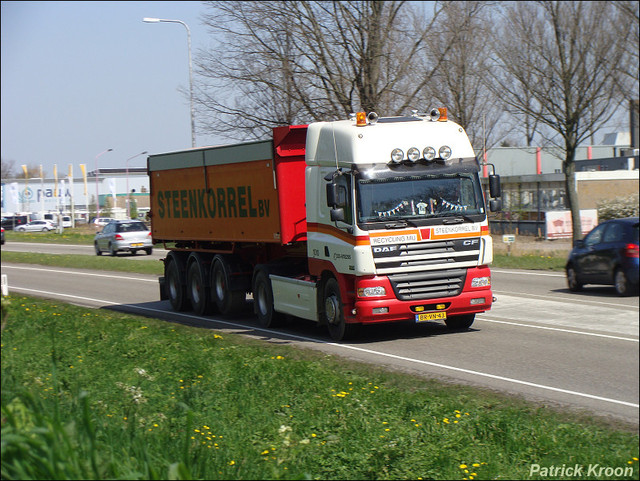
426 256
428 285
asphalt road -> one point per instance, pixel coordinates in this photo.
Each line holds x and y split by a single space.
540 342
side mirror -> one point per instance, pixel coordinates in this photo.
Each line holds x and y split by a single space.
579 243
495 205
337 214
494 186
336 195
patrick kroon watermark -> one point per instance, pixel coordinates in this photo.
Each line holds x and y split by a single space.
580 471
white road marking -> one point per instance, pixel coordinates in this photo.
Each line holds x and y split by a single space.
354 348
108 276
557 329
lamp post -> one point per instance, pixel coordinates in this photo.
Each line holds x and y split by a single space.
97 193
128 209
158 20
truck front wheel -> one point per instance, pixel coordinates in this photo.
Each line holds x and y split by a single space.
460 323
339 329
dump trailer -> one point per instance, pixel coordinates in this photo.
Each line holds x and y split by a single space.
345 223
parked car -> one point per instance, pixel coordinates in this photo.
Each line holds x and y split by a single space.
36 226
123 235
13 221
101 221
607 255
2 235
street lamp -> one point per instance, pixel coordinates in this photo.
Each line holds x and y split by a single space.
97 194
158 20
128 201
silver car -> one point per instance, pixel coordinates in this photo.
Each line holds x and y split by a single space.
36 226
123 235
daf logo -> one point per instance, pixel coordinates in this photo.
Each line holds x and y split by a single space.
378 250
470 242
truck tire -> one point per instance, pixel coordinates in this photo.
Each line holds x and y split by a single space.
228 302
197 291
175 289
333 311
460 323
263 300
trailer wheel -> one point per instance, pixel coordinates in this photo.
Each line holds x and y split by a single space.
196 289
228 301
263 300
339 329
175 290
460 323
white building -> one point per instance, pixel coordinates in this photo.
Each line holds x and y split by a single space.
38 196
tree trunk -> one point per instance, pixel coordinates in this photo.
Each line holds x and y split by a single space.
571 188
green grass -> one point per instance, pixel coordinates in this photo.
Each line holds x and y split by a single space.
551 262
78 235
79 261
554 261
96 394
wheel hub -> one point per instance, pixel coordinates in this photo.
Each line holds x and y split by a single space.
331 309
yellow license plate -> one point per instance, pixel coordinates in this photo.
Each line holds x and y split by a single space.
140 244
431 316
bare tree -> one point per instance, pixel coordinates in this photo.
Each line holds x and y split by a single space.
460 83
628 78
8 168
565 57
280 63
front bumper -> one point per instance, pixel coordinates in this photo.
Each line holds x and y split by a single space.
471 300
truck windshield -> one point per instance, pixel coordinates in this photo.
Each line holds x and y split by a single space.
419 197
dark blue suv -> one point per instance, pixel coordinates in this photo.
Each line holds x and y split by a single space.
607 255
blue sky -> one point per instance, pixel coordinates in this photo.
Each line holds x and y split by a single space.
82 77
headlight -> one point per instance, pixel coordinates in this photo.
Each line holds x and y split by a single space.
445 152
377 291
481 282
429 153
397 155
413 154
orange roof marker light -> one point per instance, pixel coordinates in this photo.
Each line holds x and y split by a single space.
443 114
361 119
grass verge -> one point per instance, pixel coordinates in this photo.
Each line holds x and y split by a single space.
78 235
535 262
78 261
91 394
